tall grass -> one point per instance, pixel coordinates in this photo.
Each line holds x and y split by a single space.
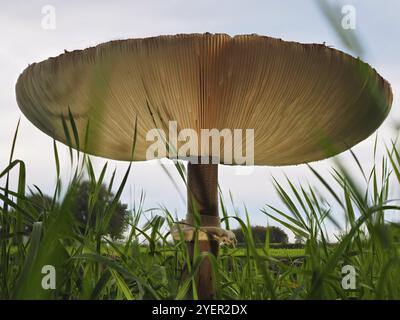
148 264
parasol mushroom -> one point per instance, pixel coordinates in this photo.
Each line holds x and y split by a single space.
294 96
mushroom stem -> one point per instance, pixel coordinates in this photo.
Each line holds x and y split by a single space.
202 190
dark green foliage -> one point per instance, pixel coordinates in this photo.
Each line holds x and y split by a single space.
87 213
276 235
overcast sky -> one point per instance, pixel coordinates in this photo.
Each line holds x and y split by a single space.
80 24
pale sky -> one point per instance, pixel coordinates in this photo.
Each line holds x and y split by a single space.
80 24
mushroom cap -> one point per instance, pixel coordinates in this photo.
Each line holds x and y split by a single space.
298 98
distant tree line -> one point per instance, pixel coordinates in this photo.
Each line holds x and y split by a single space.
276 235
119 218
